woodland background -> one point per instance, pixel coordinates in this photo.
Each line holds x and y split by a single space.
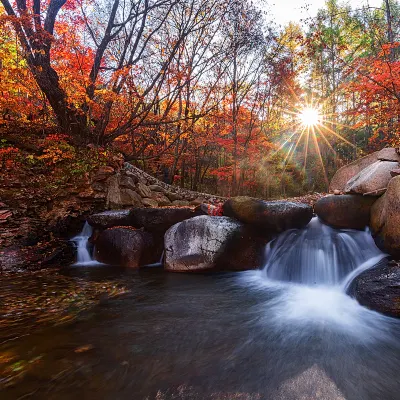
204 94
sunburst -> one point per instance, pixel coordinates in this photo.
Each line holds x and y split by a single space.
310 123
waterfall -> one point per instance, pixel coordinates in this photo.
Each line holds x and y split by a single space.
320 255
83 252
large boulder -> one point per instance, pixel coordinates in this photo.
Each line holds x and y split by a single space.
344 174
379 289
159 219
385 219
126 247
345 211
108 219
211 243
269 216
372 180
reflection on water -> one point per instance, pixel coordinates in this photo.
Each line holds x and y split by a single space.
228 336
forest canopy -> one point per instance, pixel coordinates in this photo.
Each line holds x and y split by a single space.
207 94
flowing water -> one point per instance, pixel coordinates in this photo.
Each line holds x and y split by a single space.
84 251
288 333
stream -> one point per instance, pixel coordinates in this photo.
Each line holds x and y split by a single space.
264 334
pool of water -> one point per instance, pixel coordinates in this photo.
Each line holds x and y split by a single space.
225 336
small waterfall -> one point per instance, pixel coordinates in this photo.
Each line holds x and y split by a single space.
320 255
83 253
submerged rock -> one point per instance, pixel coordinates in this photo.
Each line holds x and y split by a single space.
126 247
108 219
385 219
373 179
270 216
345 211
379 289
206 243
344 174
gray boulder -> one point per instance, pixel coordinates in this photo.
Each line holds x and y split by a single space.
108 219
126 247
211 243
159 219
379 289
269 216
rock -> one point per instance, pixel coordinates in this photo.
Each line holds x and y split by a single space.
127 182
156 188
180 203
149 202
103 173
113 199
210 243
206 209
173 196
345 211
379 289
131 174
385 219
108 219
143 190
126 247
336 192
159 219
130 198
395 172
270 216
160 198
197 201
388 154
372 179
344 174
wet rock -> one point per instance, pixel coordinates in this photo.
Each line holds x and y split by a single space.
385 219
149 202
345 211
161 199
372 180
211 243
108 219
379 289
126 247
159 219
143 190
344 174
270 216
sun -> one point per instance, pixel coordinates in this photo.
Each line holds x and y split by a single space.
309 117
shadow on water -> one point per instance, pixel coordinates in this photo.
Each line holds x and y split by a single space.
225 336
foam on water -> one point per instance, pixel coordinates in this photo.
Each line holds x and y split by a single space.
308 273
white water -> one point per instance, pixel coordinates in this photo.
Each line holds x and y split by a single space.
308 272
83 253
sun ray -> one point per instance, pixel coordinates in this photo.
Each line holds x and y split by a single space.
320 157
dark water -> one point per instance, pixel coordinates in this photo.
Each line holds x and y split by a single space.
228 336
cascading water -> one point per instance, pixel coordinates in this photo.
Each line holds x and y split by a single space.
83 250
320 255
308 272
